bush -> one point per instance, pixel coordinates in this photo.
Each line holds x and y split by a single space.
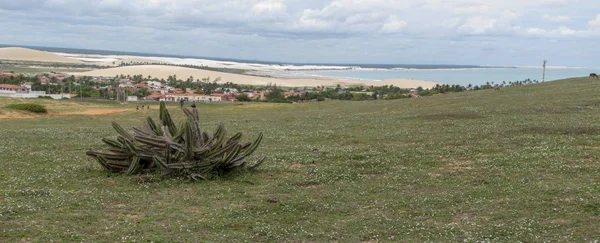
45 97
243 97
31 107
185 150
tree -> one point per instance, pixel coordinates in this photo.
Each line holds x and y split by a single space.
242 97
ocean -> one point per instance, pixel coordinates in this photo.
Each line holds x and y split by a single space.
445 74
474 76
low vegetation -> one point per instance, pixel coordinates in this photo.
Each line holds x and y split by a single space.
187 150
31 107
517 165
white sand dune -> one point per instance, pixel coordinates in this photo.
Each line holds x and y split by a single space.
161 71
129 60
24 54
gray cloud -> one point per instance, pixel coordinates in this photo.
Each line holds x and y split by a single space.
384 31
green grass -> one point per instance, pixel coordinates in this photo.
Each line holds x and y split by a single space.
519 164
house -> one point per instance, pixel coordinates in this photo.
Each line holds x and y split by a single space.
154 84
225 97
186 97
126 85
7 74
291 93
155 96
43 79
9 88
27 85
101 79
142 86
227 90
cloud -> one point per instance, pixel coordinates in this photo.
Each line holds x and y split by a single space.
555 18
471 10
561 31
269 6
595 23
393 25
477 25
301 29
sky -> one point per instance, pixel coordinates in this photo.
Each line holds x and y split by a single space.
477 32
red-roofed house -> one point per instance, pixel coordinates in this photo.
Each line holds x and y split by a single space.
9 88
7 74
142 86
291 93
225 97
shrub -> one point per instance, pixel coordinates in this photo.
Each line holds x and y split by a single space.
243 97
186 150
31 107
45 97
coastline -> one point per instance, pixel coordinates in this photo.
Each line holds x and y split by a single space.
163 72
290 75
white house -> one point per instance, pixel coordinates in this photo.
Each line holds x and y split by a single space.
9 88
186 97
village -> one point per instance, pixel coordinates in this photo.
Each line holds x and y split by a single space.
126 88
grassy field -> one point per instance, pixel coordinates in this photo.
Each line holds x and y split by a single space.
519 164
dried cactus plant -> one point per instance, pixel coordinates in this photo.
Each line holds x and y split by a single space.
186 150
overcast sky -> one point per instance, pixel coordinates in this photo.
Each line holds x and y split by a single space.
485 32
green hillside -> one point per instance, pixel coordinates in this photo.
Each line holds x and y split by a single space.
520 164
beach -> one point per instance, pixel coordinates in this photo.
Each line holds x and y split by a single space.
282 75
163 72
24 54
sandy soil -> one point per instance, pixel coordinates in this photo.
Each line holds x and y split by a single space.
16 115
91 112
164 72
127 60
24 54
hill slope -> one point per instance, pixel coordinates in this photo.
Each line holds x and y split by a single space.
517 165
24 54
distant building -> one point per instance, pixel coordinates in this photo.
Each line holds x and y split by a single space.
186 97
7 74
9 88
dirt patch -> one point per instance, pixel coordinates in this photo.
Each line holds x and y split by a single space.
308 184
444 116
17 116
296 166
460 218
456 165
566 199
91 112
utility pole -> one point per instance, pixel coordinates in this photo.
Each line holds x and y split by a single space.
544 73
